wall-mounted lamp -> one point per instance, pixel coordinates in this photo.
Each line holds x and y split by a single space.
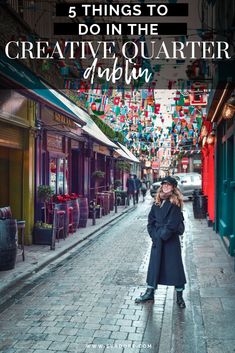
36 131
229 108
211 138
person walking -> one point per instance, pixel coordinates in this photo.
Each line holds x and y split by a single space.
131 187
138 186
165 224
143 188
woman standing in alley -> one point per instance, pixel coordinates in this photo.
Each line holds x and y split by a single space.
165 224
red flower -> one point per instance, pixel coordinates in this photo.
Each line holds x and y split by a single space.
65 197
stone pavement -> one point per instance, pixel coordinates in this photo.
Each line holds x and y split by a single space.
39 256
207 325
84 300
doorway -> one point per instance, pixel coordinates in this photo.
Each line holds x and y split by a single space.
11 180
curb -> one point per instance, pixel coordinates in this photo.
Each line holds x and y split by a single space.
63 251
166 331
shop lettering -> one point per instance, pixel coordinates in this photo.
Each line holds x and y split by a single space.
65 121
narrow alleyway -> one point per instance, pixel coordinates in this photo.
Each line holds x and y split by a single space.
86 303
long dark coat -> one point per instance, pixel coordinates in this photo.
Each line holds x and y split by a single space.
165 264
131 185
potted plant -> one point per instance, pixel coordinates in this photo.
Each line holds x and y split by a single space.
117 183
43 231
97 208
98 211
45 193
123 166
98 174
121 196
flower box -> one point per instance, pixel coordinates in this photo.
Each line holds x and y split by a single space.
98 212
42 236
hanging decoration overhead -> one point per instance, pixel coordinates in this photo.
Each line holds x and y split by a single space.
156 124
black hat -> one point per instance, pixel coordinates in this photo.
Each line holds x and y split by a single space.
169 180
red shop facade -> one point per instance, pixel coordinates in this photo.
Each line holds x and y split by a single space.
208 168
59 154
101 160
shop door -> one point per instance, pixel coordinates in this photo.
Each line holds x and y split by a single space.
4 177
11 180
93 168
230 179
231 195
77 173
226 199
222 173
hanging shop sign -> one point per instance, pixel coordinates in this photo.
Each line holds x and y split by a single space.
155 165
185 161
74 145
199 95
197 162
64 120
101 149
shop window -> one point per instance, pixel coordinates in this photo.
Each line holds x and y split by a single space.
66 176
11 102
53 173
59 175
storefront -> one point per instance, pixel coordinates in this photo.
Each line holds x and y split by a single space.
101 167
129 165
95 153
225 222
208 168
17 116
24 99
59 158
223 117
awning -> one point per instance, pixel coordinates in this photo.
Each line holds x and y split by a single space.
20 77
90 128
129 153
122 154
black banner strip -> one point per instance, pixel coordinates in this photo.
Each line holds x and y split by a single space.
161 29
77 10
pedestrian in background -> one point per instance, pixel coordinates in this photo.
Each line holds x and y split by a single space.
165 224
143 188
131 187
138 186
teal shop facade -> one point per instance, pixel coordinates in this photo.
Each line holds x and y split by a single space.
222 116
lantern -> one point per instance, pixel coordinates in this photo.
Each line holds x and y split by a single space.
229 108
211 138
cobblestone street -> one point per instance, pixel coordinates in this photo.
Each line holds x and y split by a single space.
117 168
86 302
89 299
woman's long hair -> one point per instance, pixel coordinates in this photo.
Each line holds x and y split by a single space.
176 198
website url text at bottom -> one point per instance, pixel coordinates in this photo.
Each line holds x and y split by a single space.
111 346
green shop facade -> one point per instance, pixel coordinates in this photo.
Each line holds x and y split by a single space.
222 115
